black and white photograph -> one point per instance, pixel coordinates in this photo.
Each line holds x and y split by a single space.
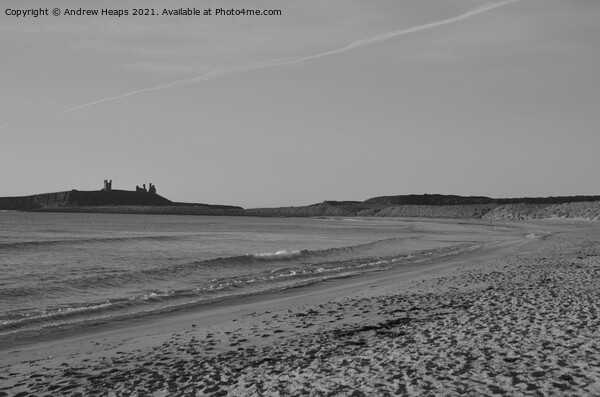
299 198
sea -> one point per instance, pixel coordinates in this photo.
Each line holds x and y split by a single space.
64 271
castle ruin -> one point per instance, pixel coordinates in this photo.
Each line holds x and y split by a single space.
151 188
107 185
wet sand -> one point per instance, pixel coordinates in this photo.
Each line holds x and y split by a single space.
516 318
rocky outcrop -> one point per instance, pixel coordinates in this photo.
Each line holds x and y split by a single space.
186 209
76 198
579 210
326 208
437 211
332 208
429 200
35 201
521 211
447 199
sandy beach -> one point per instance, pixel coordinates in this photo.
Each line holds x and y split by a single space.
515 318
299 198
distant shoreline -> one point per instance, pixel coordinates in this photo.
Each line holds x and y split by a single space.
419 206
581 210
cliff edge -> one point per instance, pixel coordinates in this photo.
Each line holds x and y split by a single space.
419 206
76 198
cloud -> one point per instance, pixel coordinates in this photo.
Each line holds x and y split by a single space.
288 61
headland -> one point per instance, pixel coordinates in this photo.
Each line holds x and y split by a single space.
147 201
141 200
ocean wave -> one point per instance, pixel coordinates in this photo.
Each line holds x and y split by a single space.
226 285
52 313
283 254
75 241
290 255
241 264
264 281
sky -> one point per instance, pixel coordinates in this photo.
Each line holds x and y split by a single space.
332 100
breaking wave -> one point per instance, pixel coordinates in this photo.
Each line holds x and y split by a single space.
292 275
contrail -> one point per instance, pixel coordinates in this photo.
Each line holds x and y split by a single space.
288 61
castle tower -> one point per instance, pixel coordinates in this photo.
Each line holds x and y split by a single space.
107 185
